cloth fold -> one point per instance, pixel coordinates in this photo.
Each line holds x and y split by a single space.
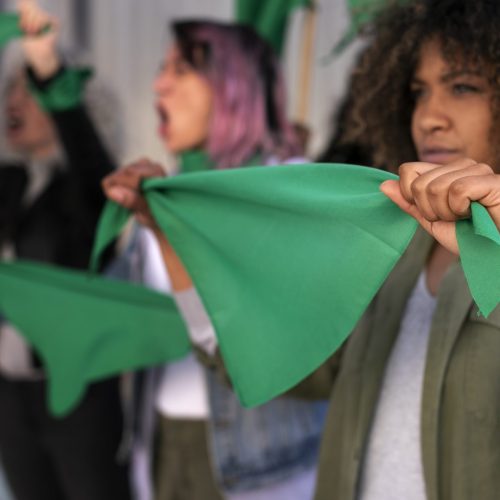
285 260
86 328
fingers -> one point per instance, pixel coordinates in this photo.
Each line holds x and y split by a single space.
124 188
392 189
442 231
132 175
33 19
427 186
485 189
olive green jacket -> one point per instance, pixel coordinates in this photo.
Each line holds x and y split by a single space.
461 395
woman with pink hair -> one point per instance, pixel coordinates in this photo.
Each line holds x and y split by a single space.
221 104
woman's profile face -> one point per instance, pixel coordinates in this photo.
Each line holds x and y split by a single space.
29 129
184 101
452 116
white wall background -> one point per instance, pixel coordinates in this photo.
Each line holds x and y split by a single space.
125 40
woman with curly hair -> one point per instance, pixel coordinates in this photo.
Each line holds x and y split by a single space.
415 406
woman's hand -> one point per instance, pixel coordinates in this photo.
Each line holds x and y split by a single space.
39 43
439 195
124 188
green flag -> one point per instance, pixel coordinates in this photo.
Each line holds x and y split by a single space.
285 259
268 17
87 328
9 27
362 13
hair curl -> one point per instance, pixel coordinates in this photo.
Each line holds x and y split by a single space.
380 119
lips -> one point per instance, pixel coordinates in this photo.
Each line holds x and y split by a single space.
163 121
439 155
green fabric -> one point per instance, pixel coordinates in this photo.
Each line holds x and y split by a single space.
362 12
273 251
479 240
65 91
268 17
87 328
9 27
195 160
285 259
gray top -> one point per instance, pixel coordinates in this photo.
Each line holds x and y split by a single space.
392 469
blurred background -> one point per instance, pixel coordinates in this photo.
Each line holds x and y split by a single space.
125 39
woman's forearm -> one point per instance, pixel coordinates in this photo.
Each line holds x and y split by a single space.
179 277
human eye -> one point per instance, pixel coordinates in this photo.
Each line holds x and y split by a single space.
181 67
461 88
416 91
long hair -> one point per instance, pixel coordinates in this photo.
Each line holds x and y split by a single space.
249 116
380 118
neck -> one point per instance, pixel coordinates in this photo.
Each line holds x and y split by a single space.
439 261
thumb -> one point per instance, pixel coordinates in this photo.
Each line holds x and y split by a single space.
392 190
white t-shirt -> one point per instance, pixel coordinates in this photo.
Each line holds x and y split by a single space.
392 468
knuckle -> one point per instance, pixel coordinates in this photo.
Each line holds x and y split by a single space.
434 189
417 188
484 168
458 188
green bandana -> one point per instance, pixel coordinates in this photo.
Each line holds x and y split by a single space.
268 18
9 28
63 92
87 329
362 13
195 160
273 253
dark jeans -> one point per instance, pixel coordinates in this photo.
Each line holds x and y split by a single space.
71 458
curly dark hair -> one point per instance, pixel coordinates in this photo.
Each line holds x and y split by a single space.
469 34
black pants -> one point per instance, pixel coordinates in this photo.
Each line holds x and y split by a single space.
72 458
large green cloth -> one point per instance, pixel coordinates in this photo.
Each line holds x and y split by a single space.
268 17
277 253
285 259
86 328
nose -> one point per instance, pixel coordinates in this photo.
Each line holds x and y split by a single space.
163 82
430 113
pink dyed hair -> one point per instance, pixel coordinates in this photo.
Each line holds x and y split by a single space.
249 116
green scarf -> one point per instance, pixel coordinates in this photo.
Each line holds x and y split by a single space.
195 160
66 90
9 28
86 329
285 259
268 18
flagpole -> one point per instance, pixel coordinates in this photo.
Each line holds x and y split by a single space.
305 67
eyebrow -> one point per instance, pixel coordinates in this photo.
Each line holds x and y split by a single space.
458 73
451 75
